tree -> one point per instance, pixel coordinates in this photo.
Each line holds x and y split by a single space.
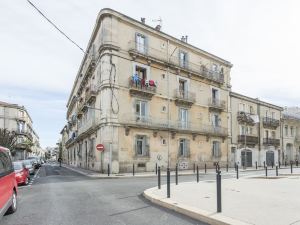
8 139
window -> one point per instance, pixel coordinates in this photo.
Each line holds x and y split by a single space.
242 107
273 115
163 141
183 59
286 128
250 131
214 67
182 88
141 72
251 110
141 110
164 109
184 150
5 164
292 131
214 95
273 134
140 43
141 146
215 120
216 151
183 118
266 134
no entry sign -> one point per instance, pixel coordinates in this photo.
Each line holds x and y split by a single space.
100 147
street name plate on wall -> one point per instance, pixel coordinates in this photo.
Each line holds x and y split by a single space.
183 165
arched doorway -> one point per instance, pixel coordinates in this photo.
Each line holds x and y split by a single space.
270 158
246 156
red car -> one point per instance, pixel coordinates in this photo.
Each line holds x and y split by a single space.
22 173
8 184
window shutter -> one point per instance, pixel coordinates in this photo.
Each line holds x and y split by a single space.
147 146
187 60
187 150
135 145
146 45
179 148
219 149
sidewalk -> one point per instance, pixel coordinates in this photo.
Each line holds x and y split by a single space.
248 200
95 174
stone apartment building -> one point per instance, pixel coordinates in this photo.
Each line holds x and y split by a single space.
255 131
149 98
16 118
291 134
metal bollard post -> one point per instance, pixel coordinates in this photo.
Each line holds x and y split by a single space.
176 174
264 164
291 167
276 171
219 202
194 167
237 171
132 169
108 169
168 182
197 174
156 168
226 167
235 166
256 165
266 168
205 167
272 165
158 177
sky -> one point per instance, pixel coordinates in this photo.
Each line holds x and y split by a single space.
38 65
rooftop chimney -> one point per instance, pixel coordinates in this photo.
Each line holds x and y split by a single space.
158 27
183 38
143 20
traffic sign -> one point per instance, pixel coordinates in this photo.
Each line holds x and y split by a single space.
100 147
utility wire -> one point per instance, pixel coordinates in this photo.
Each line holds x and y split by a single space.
55 26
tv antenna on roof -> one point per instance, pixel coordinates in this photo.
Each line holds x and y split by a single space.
158 20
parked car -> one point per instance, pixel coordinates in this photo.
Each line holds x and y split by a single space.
22 173
36 160
8 184
28 164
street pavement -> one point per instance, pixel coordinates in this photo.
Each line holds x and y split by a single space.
59 195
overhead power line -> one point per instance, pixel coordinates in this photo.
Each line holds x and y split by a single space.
53 24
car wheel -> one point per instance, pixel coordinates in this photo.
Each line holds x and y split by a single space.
14 204
26 181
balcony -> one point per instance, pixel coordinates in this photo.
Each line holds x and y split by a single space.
82 106
141 89
184 98
249 140
216 104
151 54
245 118
88 126
148 122
90 94
270 123
24 133
271 141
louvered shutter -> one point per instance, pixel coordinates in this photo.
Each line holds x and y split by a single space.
187 148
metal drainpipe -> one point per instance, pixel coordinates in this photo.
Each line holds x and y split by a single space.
259 135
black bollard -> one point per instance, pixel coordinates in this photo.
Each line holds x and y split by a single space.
256 165
168 182
219 202
176 174
237 171
194 167
266 168
205 167
272 165
216 167
158 177
276 171
264 164
108 170
291 167
197 174
156 168
132 169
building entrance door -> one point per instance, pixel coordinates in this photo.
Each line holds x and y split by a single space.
246 158
270 158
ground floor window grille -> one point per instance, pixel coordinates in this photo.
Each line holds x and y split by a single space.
141 145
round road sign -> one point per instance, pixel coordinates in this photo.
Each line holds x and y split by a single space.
100 147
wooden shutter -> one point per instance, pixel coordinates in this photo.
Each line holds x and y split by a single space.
187 148
147 146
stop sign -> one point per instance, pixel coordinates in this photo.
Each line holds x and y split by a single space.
100 147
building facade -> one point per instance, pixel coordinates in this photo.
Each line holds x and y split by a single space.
16 119
255 131
291 135
148 98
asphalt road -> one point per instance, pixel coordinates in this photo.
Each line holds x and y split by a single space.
61 196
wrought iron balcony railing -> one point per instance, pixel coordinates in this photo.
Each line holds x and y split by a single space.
184 97
270 123
141 88
172 125
91 93
161 56
216 104
248 139
271 141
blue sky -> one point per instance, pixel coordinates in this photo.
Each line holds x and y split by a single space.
38 65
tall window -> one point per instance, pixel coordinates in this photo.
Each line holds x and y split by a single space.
141 72
273 115
242 107
251 110
292 131
141 43
215 120
286 128
183 118
216 151
183 148
273 134
182 88
214 95
266 134
141 145
141 109
183 59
